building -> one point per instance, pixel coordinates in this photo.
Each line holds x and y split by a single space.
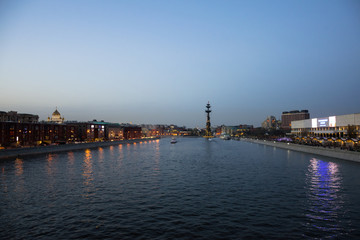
56 117
91 131
244 129
270 123
333 126
150 130
13 116
18 130
234 131
14 134
229 130
95 131
114 131
288 117
132 132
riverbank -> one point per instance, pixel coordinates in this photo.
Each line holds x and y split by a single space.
23 152
327 152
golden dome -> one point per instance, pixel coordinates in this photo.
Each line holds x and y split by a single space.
56 113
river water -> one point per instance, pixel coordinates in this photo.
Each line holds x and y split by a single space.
194 189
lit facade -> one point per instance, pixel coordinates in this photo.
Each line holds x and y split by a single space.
237 131
151 130
15 134
332 126
56 117
114 132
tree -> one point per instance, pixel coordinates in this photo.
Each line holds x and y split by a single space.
351 131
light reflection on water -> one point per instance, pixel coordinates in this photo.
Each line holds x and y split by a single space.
324 203
50 168
157 158
71 158
111 150
19 166
19 171
120 157
101 154
194 189
3 186
71 169
88 174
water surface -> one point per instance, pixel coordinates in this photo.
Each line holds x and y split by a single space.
194 189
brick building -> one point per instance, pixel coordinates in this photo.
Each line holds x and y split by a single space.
288 117
15 134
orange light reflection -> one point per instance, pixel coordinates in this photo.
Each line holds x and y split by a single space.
49 166
101 154
19 170
88 174
71 158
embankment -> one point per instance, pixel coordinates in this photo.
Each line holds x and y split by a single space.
327 152
22 152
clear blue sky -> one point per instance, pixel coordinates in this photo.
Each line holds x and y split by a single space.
161 61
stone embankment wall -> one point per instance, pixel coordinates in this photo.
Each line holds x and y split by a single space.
21 152
327 152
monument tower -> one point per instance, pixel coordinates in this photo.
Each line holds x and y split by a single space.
208 124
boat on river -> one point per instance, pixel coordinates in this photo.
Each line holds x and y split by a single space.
173 141
225 137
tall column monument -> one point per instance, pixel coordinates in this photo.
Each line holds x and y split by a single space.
208 124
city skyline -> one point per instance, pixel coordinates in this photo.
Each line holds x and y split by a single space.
160 62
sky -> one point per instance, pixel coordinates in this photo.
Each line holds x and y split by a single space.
160 62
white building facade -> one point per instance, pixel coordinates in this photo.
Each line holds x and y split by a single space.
332 126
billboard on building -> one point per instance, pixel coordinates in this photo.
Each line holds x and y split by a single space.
323 122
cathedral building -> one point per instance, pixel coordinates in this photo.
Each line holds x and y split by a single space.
56 117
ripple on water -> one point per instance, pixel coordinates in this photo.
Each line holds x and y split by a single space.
192 190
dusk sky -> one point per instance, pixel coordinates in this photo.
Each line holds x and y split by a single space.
160 62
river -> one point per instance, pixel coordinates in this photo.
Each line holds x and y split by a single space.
194 189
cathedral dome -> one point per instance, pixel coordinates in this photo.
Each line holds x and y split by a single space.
56 113
56 117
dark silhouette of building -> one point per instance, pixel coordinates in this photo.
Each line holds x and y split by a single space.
132 132
14 116
287 117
